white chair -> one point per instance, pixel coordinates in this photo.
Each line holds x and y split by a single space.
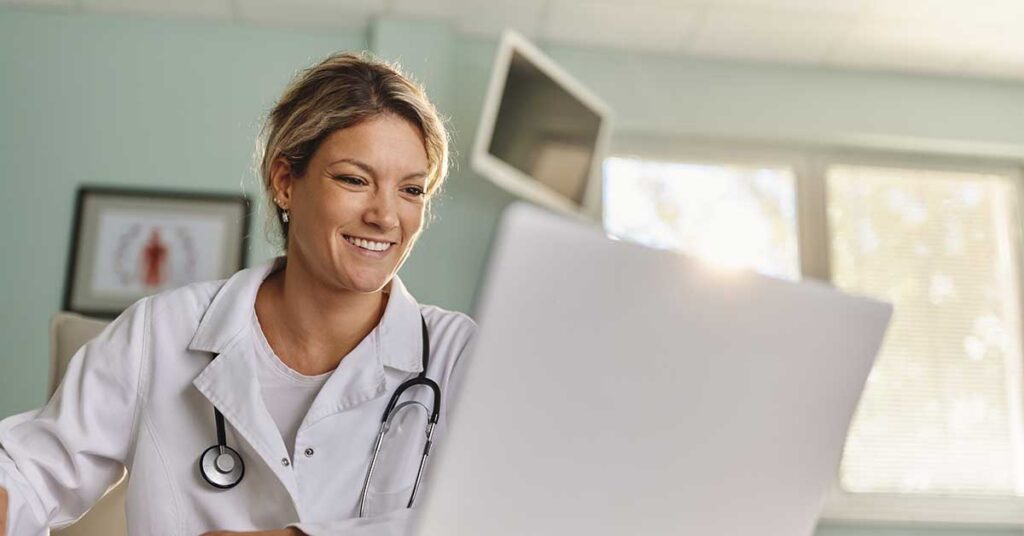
68 332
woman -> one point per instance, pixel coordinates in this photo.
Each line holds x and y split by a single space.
300 355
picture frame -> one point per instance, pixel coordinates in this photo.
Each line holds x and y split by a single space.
130 243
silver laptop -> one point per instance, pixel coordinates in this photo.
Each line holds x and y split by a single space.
620 390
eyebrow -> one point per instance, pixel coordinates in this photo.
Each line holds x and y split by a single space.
369 169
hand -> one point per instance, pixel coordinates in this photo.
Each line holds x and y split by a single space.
280 532
3 511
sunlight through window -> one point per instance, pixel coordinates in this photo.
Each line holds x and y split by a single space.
731 216
942 410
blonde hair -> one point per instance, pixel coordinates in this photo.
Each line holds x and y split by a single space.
342 91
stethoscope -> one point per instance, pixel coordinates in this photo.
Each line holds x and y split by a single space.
223 468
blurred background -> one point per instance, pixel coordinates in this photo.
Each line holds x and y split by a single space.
874 144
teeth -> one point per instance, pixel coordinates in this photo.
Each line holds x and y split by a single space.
368 244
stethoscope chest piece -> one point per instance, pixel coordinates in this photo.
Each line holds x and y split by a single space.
221 466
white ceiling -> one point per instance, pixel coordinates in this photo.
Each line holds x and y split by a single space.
980 38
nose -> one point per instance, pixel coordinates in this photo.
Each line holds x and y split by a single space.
382 212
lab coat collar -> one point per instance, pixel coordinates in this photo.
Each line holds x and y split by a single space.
397 338
228 313
230 383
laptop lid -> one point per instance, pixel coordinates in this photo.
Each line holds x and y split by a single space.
616 389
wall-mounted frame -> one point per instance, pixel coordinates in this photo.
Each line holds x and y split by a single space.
129 243
542 134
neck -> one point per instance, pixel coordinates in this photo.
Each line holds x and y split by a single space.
310 327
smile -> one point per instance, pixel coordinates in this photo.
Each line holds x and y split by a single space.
369 245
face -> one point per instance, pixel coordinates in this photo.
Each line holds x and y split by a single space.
356 213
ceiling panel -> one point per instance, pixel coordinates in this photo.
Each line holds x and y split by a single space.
981 38
908 45
647 25
308 13
823 7
770 34
1002 55
960 12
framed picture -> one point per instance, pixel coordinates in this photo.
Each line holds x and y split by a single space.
128 244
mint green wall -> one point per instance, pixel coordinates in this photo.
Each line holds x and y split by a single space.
124 101
661 95
165 103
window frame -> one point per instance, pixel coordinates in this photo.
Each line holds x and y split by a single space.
810 164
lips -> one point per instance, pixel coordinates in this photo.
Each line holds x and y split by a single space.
369 245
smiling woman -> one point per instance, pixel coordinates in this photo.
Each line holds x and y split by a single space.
288 366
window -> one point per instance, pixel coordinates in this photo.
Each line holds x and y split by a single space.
729 215
939 433
942 410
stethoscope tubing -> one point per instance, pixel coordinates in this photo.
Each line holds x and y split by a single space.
389 412
223 468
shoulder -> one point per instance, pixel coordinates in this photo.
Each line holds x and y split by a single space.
194 297
174 313
189 301
184 305
443 323
452 335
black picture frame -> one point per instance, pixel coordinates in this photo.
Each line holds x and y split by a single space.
91 288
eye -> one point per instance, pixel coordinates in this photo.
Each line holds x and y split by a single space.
414 190
349 179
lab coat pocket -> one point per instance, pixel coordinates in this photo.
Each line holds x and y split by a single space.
398 461
382 502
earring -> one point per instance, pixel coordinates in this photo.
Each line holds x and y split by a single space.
284 211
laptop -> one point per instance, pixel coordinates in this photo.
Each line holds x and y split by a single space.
620 390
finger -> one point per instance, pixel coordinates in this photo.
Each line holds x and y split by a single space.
3 511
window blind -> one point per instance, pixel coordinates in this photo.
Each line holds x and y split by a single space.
941 413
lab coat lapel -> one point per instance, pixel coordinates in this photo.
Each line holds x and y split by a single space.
231 385
400 331
382 360
229 312
358 378
229 381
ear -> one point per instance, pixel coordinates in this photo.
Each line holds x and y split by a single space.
281 182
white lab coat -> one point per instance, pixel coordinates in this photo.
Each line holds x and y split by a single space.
141 396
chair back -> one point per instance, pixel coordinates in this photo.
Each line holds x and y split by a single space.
68 332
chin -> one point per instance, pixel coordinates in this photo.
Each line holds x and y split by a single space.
367 284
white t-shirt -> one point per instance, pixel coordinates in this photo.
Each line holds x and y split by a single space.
287 394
